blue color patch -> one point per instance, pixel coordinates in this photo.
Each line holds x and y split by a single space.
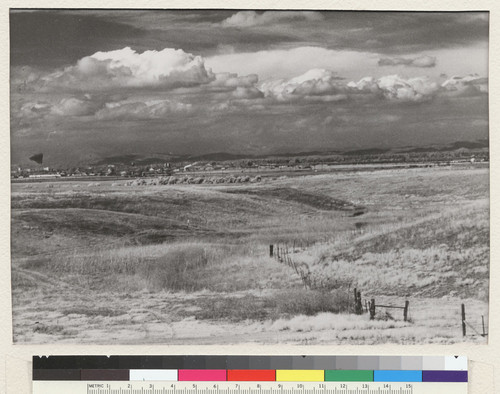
397 376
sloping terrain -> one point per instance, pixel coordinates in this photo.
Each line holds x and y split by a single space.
93 262
314 200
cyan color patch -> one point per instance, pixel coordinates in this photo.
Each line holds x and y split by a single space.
397 376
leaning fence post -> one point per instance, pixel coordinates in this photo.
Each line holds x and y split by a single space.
405 311
464 332
271 251
372 309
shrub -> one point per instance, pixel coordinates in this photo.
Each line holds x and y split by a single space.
283 304
311 302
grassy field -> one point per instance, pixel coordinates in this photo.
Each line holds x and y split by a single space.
110 263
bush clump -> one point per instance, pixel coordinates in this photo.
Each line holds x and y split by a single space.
311 302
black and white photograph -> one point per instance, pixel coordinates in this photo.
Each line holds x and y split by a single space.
238 176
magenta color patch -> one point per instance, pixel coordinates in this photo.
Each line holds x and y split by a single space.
202 375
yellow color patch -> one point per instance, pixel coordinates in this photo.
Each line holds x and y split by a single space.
300 375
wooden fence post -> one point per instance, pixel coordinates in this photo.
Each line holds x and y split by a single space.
359 305
271 251
355 299
484 332
372 309
405 311
464 331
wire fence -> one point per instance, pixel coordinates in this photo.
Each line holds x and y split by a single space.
480 331
283 253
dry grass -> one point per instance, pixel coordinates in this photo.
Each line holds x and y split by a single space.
190 266
272 306
436 256
424 233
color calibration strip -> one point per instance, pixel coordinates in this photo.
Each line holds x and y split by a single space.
252 368
222 375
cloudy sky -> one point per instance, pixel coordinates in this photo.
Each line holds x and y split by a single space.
95 83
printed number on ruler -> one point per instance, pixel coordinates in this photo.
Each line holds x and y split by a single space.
236 388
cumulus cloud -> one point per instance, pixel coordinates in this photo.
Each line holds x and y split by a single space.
242 92
315 82
252 18
366 85
394 87
421 61
153 109
232 80
73 106
243 87
325 86
81 105
424 61
468 85
126 68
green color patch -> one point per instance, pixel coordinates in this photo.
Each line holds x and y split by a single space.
348 376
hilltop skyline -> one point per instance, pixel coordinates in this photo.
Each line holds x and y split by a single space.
96 83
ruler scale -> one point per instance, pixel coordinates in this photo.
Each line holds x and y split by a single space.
250 375
60 387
